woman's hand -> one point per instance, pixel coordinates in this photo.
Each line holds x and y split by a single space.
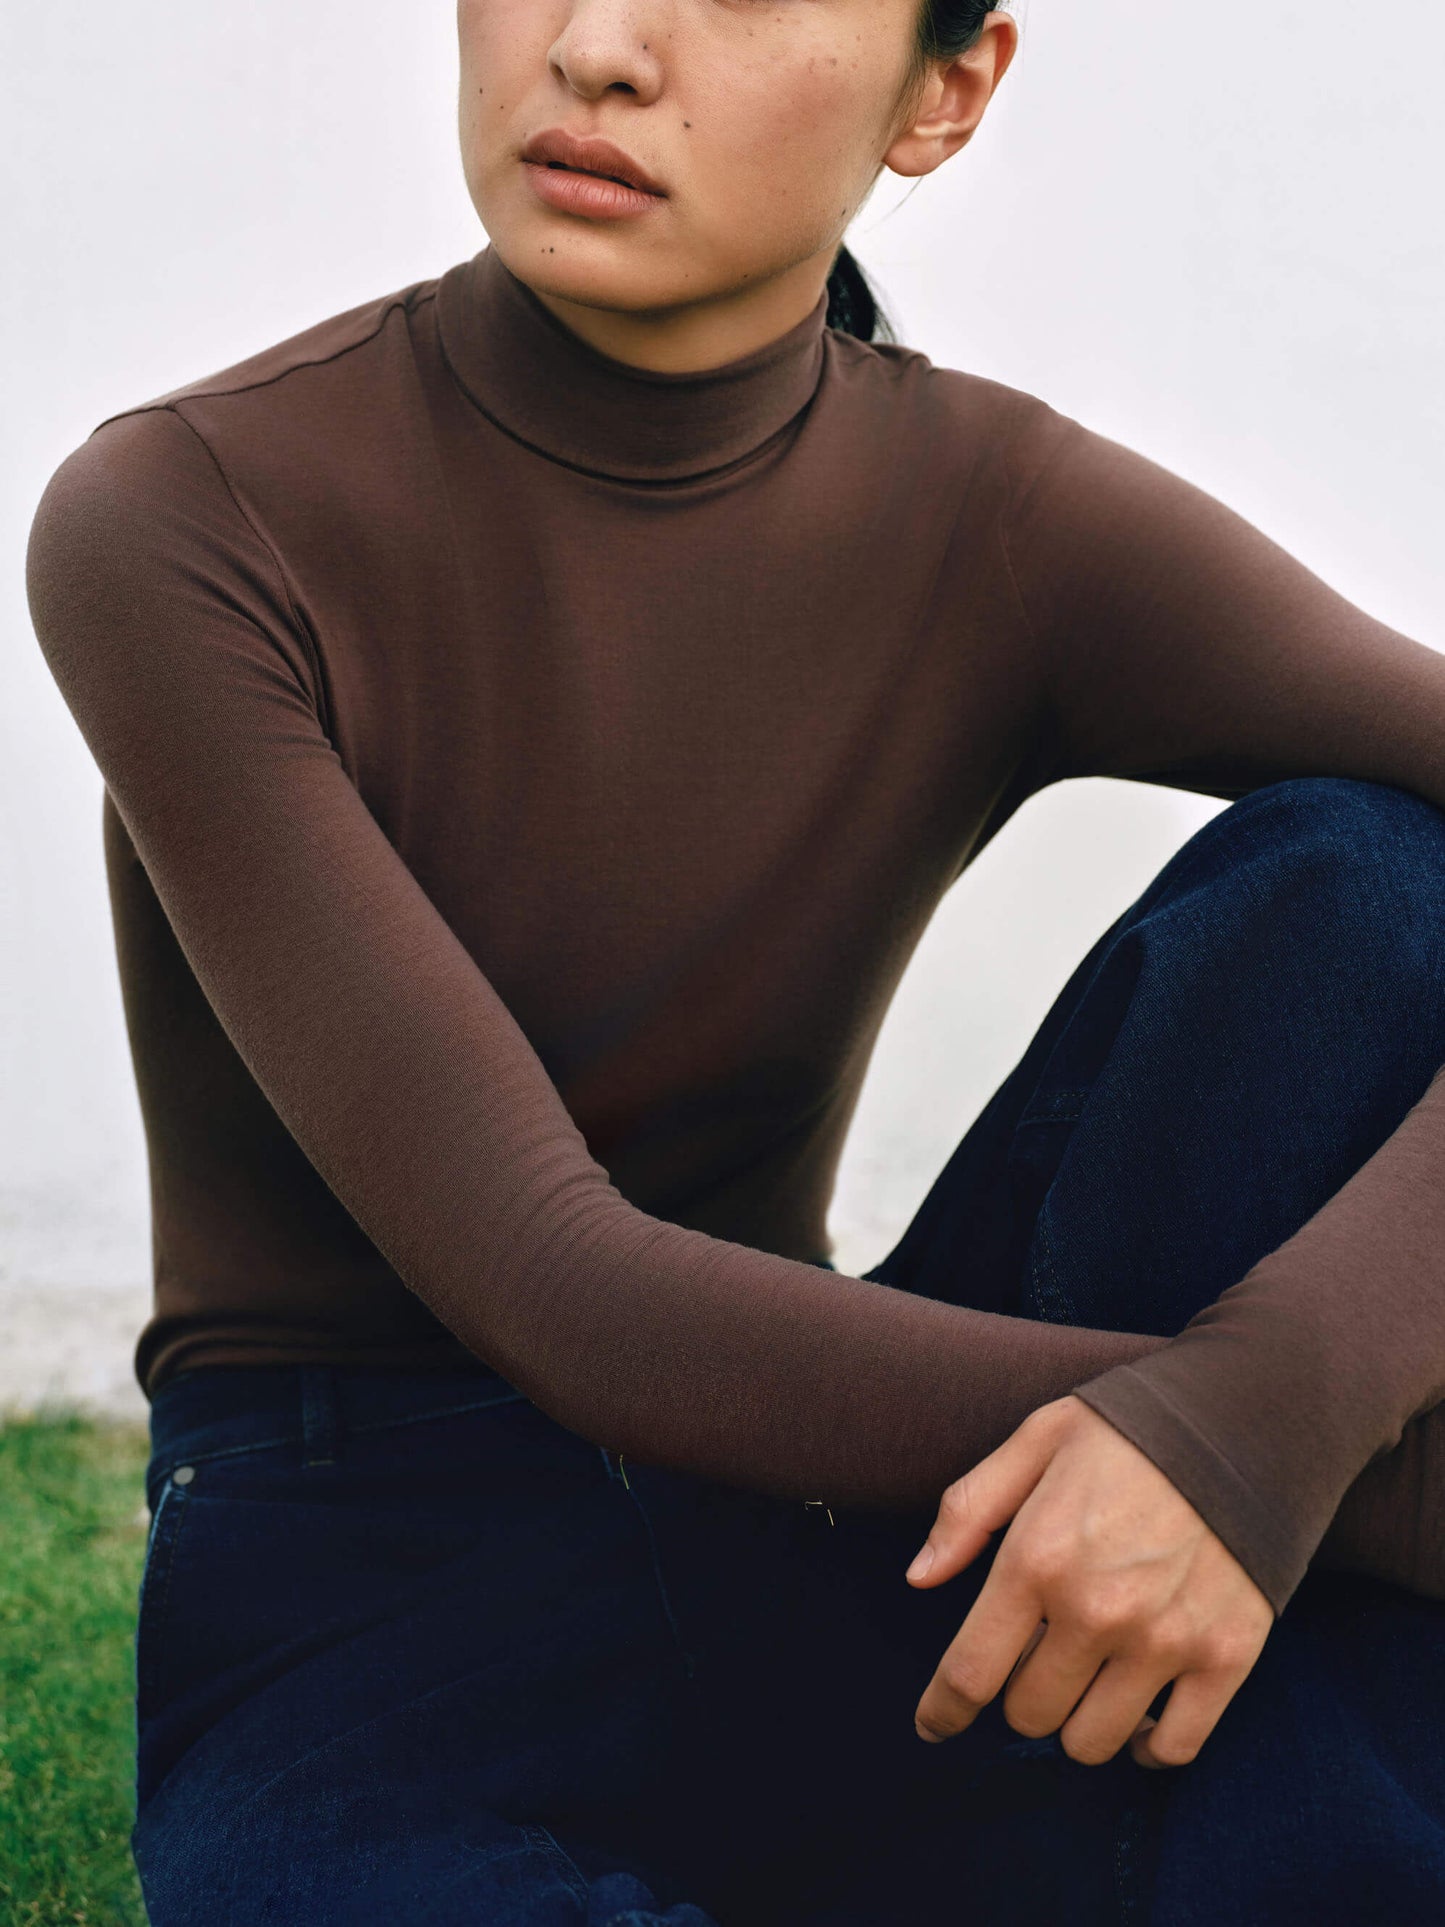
1135 1588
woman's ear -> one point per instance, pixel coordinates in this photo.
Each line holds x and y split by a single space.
953 98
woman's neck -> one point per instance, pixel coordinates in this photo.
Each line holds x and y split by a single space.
697 336
546 386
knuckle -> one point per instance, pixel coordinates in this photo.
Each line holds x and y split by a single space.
1099 1609
1044 1559
964 1678
956 1504
1226 1650
1028 1721
1162 1638
1044 1418
1058 1412
1088 1749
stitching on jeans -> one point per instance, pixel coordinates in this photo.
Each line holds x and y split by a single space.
689 1661
547 1844
1123 1887
445 1411
177 1495
1049 1293
318 1416
149 1568
535 1839
1131 1886
1046 1110
226 1452
181 1511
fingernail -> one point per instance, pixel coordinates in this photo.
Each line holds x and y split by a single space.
922 1560
924 1734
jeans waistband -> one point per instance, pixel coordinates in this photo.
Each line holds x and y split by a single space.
215 1410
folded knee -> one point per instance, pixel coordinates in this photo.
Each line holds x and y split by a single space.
1369 852
1325 887
1350 818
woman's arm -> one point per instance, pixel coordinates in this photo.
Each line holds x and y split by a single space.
167 624
1179 645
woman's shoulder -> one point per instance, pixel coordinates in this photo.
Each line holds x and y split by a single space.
337 339
945 413
287 419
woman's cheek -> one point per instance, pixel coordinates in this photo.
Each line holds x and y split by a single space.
807 143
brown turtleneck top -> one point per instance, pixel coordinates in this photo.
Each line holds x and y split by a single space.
527 777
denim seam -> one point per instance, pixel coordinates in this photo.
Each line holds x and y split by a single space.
1073 1095
176 1496
534 1838
689 1660
258 1790
318 1416
1127 1844
1049 1293
542 1838
225 1452
445 1411
148 1569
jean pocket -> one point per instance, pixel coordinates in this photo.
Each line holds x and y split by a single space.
167 1520
260 1558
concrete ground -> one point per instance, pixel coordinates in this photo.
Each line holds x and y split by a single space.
74 1293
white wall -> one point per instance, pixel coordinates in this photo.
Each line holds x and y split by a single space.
1213 235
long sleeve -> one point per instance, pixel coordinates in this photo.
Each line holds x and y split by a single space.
171 629
167 624
1180 645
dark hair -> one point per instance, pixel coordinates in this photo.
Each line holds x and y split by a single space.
945 29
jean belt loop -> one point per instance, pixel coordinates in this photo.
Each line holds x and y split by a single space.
318 1414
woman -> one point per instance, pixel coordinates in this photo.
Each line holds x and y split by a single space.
540 711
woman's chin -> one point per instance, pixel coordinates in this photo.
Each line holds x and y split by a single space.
597 264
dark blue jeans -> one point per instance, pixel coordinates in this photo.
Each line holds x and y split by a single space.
409 1651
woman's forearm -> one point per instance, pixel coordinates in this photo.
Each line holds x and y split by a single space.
1391 1522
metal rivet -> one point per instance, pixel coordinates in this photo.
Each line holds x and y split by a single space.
183 1474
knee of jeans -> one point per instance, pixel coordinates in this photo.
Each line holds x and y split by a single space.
1351 872
1347 811
1376 849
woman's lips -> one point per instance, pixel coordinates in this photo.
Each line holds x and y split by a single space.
574 192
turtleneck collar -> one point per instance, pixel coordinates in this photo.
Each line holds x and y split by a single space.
544 385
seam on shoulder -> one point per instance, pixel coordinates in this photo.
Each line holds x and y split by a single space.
1019 492
408 300
299 625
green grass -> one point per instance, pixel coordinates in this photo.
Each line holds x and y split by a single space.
71 1550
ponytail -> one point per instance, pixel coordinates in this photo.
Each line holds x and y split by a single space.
852 306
